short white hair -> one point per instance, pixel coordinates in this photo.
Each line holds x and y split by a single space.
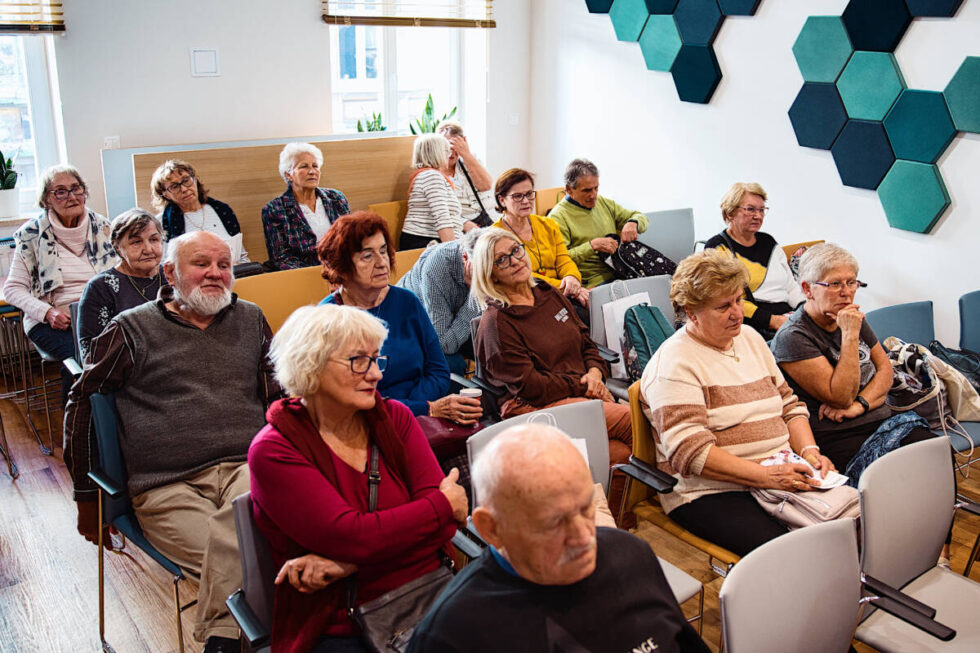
176 246
289 154
312 335
430 151
819 260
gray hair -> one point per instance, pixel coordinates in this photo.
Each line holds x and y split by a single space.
289 154
430 151
468 241
820 259
175 246
312 335
47 178
131 221
577 169
482 287
450 128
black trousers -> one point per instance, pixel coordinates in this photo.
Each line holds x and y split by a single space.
733 520
411 241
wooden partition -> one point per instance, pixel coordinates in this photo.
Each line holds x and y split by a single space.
366 170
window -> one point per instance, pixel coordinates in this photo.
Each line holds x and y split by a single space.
27 116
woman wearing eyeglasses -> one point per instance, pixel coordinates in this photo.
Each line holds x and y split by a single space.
533 346
772 293
309 472
357 254
56 254
181 195
546 250
835 364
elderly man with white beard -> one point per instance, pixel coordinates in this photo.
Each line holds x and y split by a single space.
192 380
550 579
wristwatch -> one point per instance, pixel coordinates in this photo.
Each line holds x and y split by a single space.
864 402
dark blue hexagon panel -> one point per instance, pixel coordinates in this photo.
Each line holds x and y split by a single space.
817 115
933 8
876 25
862 153
696 73
738 7
697 21
598 6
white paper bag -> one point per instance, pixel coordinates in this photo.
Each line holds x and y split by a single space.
614 314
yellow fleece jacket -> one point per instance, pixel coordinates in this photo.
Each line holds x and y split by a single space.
546 251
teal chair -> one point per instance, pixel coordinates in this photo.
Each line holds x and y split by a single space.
970 321
910 322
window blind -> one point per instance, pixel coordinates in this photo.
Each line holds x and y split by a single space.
413 13
26 16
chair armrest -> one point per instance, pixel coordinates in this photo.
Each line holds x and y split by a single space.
648 475
477 382
881 588
72 366
466 545
106 484
608 354
900 605
254 631
461 380
967 505
475 534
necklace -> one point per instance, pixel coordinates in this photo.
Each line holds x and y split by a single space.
142 291
731 353
533 241
204 218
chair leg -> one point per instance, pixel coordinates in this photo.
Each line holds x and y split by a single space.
626 492
5 452
27 374
973 557
106 647
47 409
177 611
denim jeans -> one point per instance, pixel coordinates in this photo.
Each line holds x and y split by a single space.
886 438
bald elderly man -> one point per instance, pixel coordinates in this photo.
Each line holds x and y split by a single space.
551 581
192 380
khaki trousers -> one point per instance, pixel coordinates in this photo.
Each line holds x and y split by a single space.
192 523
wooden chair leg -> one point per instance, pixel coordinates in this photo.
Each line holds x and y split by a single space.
177 611
106 647
5 452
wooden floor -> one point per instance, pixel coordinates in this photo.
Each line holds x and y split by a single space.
48 573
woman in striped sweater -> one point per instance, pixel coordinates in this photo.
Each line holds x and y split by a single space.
719 405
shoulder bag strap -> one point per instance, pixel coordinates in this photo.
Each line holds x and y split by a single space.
476 193
374 480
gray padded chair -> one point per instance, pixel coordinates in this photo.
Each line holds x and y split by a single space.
252 605
970 321
671 233
822 561
587 420
907 502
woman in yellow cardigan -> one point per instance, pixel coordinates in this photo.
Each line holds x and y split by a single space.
546 250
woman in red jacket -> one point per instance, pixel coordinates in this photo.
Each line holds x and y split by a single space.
310 483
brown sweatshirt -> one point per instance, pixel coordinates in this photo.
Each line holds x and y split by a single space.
537 354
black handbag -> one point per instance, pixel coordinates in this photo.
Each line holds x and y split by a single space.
965 361
387 622
483 219
635 260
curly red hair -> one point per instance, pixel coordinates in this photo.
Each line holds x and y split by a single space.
344 239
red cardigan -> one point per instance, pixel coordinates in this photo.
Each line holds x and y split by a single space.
301 510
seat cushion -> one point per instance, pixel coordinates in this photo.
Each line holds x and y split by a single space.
955 599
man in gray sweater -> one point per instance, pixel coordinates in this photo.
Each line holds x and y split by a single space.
192 380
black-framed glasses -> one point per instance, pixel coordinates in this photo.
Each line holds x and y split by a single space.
186 182
361 364
62 193
752 210
504 261
853 284
520 197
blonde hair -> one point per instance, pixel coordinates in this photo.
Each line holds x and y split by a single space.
430 151
312 335
734 196
820 259
483 288
705 276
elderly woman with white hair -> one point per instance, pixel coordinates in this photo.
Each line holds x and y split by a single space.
297 219
434 211
310 469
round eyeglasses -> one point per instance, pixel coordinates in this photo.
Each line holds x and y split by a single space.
504 261
361 364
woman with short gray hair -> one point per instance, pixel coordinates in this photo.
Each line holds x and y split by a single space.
297 219
434 211
137 237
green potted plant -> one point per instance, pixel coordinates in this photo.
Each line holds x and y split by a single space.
428 122
9 195
372 124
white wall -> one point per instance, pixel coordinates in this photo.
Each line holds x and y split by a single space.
509 97
594 97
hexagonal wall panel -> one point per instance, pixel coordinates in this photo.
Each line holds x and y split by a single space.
738 7
933 8
628 18
876 25
660 42
963 96
913 195
598 6
697 21
817 115
661 6
822 49
862 154
918 126
870 84
696 73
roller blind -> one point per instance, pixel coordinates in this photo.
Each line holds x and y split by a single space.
17 16
417 13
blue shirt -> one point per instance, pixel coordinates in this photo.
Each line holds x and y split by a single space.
417 370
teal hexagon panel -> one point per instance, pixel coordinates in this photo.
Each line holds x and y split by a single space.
913 195
660 42
963 96
628 18
822 49
869 84
918 126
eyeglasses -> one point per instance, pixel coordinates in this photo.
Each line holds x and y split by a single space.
854 284
520 197
504 261
361 364
186 182
62 193
751 210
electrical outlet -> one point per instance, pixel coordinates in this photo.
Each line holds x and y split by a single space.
110 143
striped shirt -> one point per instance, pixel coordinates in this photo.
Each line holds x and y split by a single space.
432 205
697 398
